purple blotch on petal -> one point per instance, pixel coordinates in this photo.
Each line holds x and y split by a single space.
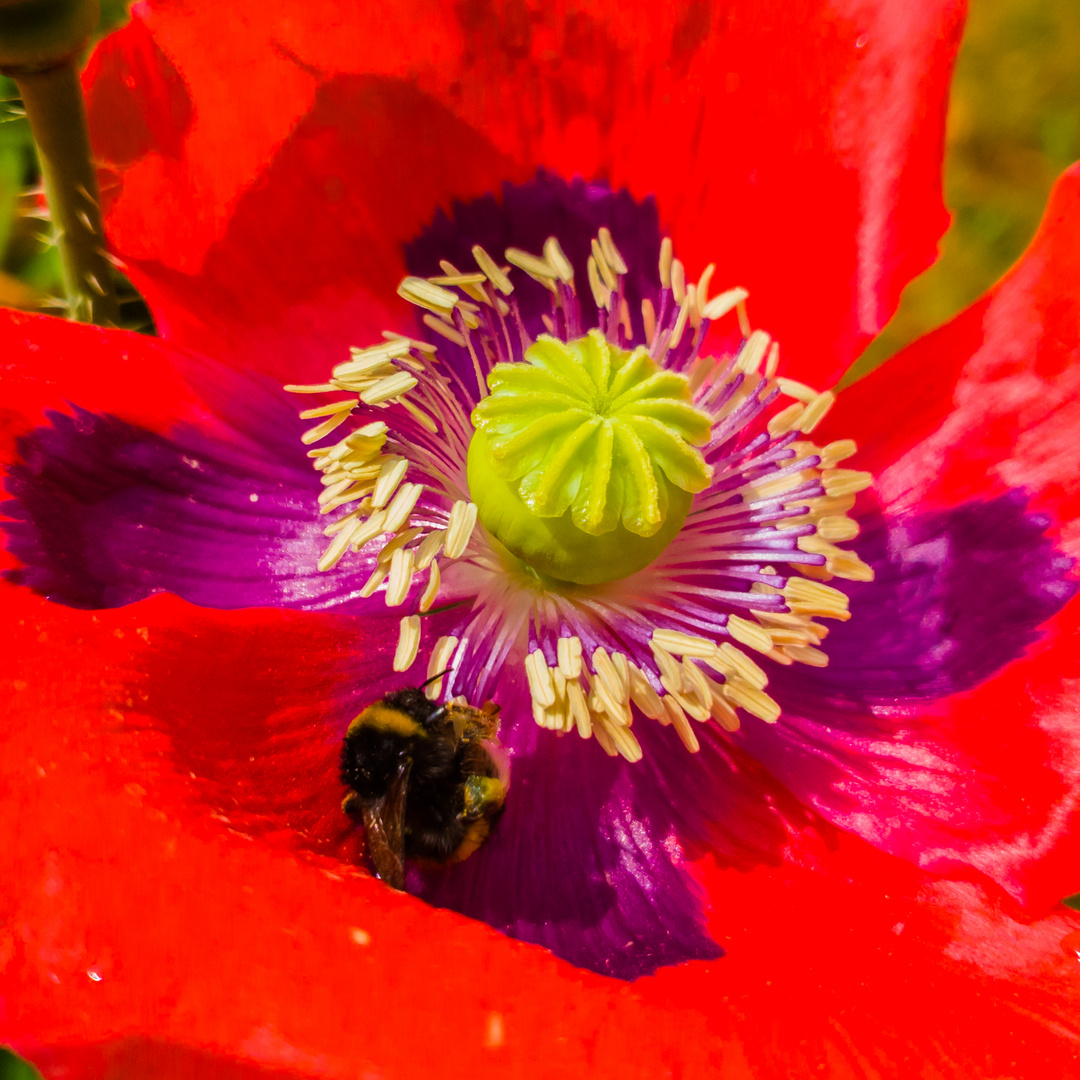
105 513
525 216
957 595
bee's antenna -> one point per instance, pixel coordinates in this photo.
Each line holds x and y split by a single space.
434 678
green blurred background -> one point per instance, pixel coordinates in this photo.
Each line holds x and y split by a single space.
1014 124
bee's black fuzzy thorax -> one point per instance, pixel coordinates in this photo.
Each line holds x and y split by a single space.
440 752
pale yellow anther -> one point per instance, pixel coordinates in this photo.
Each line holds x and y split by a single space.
744 319
460 529
807 597
674 641
445 329
816 411
807 654
722 712
458 280
692 306
320 431
494 273
329 410
754 701
748 633
670 672
388 388
724 302
408 643
753 352
667 252
730 661
538 269
608 676
797 390
332 555
837 528
680 323
678 281
541 686
643 694
611 279
429 547
343 522
569 656
611 252
696 682
390 475
401 572
682 725
648 319
601 293
401 508
321 388
421 346
395 543
786 419
368 531
836 452
378 576
701 293
438 662
848 565
579 708
431 589
772 361
845 481
559 262
421 292
622 738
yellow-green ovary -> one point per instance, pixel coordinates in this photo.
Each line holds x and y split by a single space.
585 462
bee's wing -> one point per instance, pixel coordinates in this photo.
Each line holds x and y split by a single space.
383 826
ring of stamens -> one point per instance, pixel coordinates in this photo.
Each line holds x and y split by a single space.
771 523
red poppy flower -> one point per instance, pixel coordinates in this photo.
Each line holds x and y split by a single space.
182 894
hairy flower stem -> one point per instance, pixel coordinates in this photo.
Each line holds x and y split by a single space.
54 106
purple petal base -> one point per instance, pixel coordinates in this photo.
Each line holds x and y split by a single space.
524 217
105 513
959 594
589 858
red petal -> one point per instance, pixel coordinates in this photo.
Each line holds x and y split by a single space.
799 146
986 405
49 361
990 402
137 929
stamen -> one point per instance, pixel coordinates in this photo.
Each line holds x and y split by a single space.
765 508
440 655
459 531
432 589
408 643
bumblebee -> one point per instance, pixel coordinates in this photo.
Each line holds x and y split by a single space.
421 780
